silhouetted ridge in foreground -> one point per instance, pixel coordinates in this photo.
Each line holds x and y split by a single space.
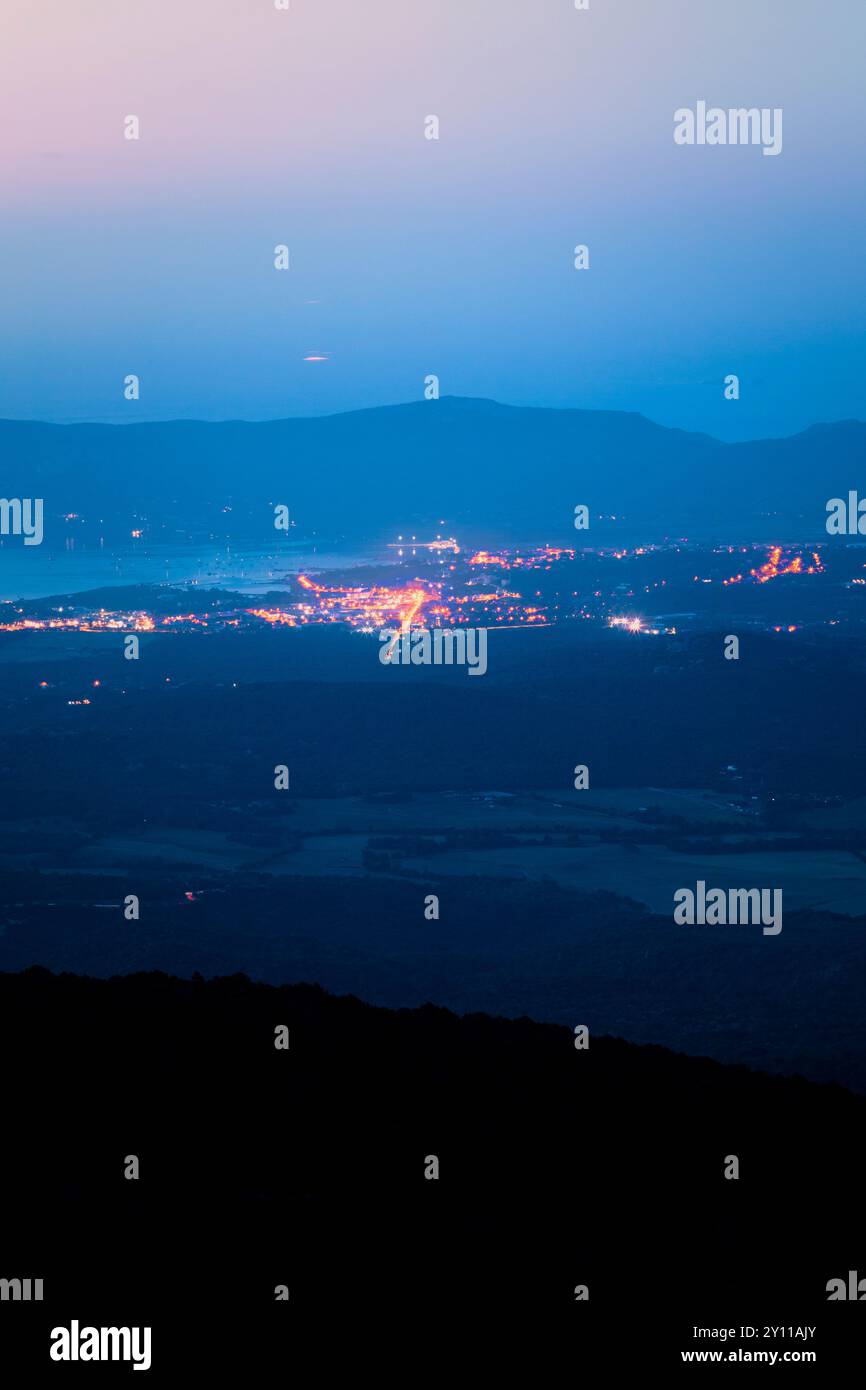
305 1166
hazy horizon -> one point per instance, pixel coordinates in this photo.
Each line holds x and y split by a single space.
412 256
432 725
403 404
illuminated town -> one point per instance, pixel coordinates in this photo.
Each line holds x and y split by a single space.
648 591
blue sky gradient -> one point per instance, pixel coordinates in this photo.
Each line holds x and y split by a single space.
410 256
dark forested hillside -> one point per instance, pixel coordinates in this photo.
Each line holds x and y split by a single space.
558 1169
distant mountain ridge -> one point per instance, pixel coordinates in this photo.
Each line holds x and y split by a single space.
456 462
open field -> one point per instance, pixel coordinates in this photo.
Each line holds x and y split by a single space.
650 874
330 836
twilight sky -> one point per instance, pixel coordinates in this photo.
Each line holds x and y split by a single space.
411 256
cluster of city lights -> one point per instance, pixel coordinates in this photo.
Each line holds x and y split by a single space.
465 591
774 567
